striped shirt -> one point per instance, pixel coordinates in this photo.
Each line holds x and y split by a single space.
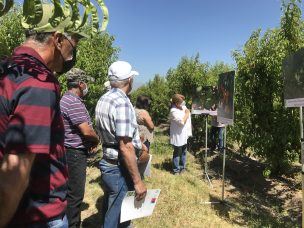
74 113
30 122
115 117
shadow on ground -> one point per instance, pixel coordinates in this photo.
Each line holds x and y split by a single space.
94 220
267 202
93 160
166 165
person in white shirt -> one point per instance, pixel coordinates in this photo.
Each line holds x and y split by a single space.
180 130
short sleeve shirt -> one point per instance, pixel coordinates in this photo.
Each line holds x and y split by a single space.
31 122
115 117
178 130
74 113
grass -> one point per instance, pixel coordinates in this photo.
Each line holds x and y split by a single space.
182 199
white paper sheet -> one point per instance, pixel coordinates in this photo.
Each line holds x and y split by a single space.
203 112
133 209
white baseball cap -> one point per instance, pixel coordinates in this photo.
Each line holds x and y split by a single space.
120 70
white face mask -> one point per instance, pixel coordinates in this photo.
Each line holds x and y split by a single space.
183 103
86 90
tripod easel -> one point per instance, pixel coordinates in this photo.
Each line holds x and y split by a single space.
302 161
206 152
206 163
223 170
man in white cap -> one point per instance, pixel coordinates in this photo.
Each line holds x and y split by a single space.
117 127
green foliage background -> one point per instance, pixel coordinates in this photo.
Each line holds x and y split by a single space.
11 32
262 123
263 127
94 55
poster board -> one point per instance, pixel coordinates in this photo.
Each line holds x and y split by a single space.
293 78
225 112
203 99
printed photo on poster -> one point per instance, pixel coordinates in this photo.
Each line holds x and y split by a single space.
203 99
225 112
293 77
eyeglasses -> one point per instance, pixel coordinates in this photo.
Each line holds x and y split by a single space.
69 42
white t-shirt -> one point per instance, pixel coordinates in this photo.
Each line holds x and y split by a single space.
179 132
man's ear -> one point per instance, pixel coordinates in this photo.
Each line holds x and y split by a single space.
58 39
81 84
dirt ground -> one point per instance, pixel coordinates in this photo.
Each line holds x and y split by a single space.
246 190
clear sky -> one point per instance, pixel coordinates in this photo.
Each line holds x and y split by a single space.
154 34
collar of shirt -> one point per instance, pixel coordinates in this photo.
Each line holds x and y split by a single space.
120 92
23 50
74 95
33 60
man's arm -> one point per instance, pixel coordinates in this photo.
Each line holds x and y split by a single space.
129 158
87 131
14 178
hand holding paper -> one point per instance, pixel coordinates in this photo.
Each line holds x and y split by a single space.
133 209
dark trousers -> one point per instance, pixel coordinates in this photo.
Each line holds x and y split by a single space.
77 164
217 132
147 143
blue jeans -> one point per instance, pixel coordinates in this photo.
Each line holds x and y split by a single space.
116 181
179 158
217 132
56 223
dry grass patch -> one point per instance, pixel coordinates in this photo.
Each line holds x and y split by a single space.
253 200
181 199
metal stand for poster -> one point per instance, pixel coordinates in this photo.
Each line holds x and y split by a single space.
224 164
206 165
222 201
206 152
206 158
225 109
302 161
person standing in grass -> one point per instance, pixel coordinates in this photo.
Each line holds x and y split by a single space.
145 127
117 127
33 169
144 120
216 132
79 140
180 130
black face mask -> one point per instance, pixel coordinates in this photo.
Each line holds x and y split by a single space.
68 64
